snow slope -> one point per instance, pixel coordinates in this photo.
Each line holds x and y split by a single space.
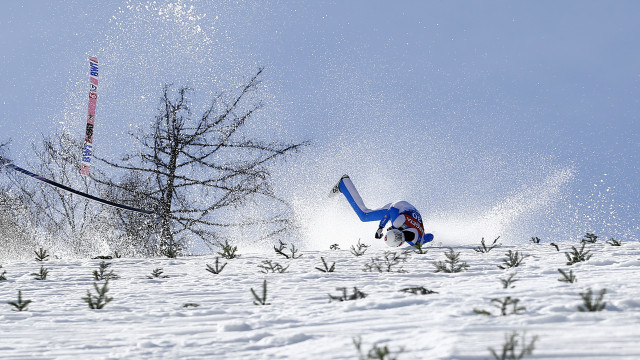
147 320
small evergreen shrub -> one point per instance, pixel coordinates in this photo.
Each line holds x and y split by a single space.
170 249
272 267
591 305
452 264
614 242
334 247
228 251
42 255
42 275
535 240
420 249
3 276
280 250
388 263
20 305
357 294
261 300
157 274
101 299
360 249
102 274
569 278
376 352
508 303
507 306
589 238
327 268
577 256
190 305
514 259
510 349
508 282
555 246
218 269
483 247
419 290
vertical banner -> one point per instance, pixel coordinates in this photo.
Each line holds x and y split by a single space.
87 148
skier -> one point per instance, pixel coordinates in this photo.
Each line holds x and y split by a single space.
406 222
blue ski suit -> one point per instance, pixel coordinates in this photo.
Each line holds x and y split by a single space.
402 215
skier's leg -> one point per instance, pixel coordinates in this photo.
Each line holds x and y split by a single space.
353 197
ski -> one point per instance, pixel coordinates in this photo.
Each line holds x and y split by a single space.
11 166
87 148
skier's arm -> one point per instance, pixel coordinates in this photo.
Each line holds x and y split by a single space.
383 222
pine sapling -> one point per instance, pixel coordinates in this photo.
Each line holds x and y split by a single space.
327 268
102 274
420 249
614 242
506 283
272 267
452 264
514 259
510 349
503 305
483 247
555 246
101 299
263 299
569 278
282 246
360 249
389 262
42 255
334 247
577 256
589 238
419 290
228 251
3 276
42 275
20 305
535 240
357 294
376 352
589 304
218 269
157 274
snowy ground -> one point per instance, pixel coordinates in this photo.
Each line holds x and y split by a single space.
147 319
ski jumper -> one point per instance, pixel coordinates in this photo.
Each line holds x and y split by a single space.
402 215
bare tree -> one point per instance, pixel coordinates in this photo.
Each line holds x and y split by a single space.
67 220
202 165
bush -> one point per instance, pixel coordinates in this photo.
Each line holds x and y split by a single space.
509 348
42 255
357 294
20 305
261 300
157 274
360 249
376 352
42 275
452 264
272 267
389 262
228 251
577 256
282 246
218 269
326 267
101 299
570 278
589 304
483 247
513 260
102 274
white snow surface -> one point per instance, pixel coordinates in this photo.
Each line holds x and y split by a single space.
147 318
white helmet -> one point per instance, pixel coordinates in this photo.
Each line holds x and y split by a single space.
394 238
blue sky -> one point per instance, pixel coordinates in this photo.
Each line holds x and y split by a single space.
497 117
